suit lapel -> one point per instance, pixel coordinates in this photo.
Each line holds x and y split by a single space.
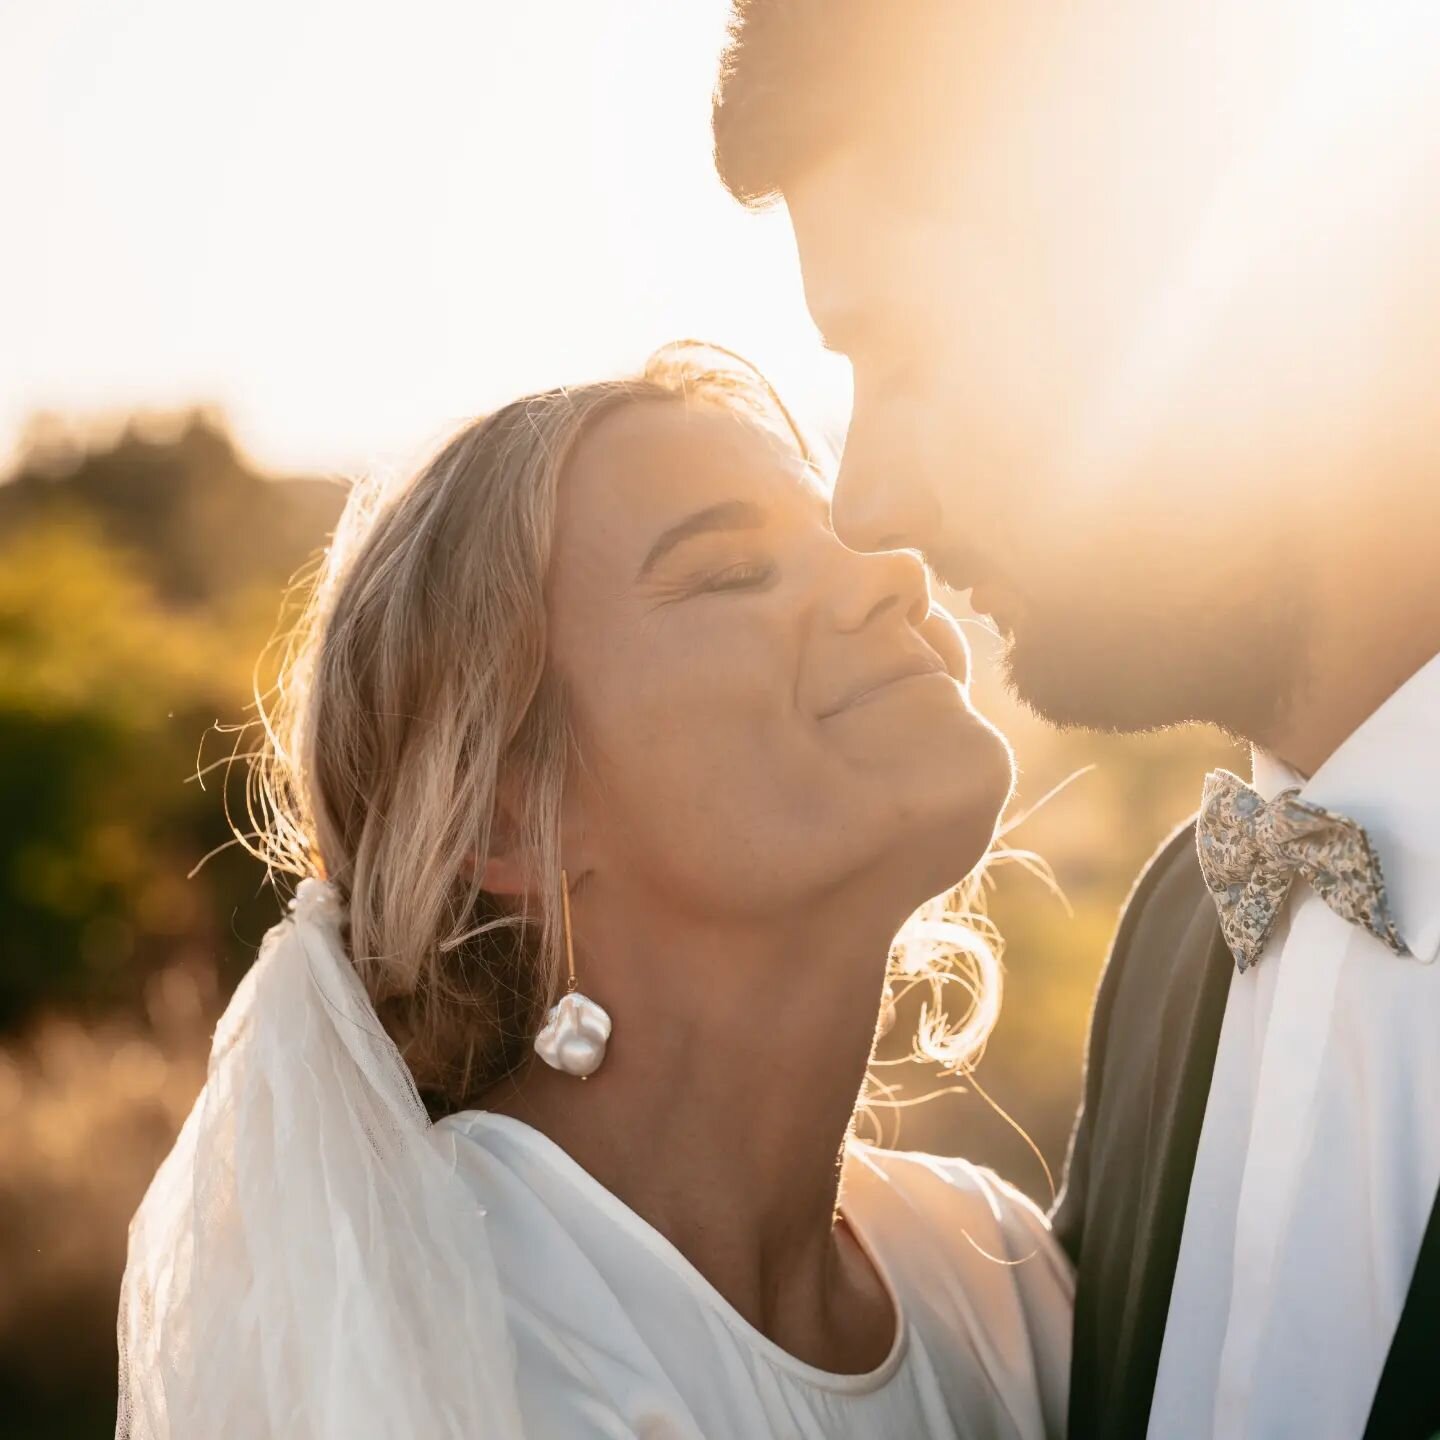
1407 1400
1193 1012
1148 1103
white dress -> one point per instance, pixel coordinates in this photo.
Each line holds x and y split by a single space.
617 1334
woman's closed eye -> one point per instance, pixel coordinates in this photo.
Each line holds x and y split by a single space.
718 579
742 575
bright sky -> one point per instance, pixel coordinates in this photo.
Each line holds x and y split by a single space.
352 225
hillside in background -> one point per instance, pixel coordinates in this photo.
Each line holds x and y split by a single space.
175 495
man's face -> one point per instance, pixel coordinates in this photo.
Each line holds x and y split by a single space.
1037 411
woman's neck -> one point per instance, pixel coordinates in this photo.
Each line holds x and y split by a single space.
720 1113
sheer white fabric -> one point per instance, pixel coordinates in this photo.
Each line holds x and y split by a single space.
306 1262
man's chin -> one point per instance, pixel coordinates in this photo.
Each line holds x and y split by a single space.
1149 680
1067 702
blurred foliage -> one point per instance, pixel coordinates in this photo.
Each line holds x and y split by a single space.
140 579
139 582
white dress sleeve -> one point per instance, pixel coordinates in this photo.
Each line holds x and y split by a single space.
978 1257
1045 1288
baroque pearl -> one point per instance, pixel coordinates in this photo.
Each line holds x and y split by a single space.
574 1035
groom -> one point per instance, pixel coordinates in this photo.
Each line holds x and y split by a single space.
1142 299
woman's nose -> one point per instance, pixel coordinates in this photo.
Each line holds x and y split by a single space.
869 586
879 502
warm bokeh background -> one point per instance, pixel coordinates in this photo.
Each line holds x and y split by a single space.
257 255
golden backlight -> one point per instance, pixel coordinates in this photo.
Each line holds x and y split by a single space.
1208 252
1308 288
354 225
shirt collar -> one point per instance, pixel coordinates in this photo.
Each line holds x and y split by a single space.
1386 777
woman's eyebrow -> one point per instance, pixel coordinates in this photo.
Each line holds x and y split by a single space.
727 515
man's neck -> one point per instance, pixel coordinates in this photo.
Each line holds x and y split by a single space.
1364 648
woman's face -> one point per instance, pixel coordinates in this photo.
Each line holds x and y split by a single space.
762 715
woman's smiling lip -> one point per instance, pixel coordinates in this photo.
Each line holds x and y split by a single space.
909 667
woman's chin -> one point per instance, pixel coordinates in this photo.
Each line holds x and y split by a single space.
964 796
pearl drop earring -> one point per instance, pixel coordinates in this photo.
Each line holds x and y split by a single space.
576 1029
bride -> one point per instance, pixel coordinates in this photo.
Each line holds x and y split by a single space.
534 1117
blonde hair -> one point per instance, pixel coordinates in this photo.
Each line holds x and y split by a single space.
416 678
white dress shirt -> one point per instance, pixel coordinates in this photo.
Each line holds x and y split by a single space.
617 1334
1319 1157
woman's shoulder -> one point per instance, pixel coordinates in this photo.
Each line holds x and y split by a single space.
974 1264
923 1181
949 1212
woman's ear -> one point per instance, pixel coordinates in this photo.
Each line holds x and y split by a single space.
503 870
507 868
501 875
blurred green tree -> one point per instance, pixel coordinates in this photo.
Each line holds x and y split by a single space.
138 584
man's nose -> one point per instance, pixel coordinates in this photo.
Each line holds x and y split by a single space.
880 503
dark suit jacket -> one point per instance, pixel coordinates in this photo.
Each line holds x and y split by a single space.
1153 1038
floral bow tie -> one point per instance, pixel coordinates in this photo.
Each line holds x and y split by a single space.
1251 852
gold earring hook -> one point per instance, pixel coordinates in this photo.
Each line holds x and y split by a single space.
569 944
